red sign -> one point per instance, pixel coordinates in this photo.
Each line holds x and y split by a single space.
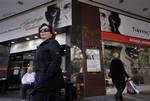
121 38
3 69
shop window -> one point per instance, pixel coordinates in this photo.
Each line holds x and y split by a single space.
136 60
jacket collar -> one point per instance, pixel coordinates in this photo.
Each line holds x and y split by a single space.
45 41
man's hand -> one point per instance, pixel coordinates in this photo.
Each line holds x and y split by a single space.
129 79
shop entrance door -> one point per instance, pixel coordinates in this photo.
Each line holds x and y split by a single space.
17 67
14 71
136 61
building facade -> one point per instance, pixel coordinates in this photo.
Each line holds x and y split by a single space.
89 34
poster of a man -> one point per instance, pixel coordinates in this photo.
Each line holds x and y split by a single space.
59 14
110 21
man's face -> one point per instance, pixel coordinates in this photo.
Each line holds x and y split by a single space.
104 18
52 15
59 14
65 13
115 55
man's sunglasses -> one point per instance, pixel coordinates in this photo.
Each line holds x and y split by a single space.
44 30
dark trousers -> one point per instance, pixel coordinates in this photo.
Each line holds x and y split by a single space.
25 88
120 88
44 96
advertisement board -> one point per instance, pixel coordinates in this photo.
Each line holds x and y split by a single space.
117 27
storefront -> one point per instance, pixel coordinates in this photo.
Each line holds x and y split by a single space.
91 35
20 34
131 39
22 55
135 59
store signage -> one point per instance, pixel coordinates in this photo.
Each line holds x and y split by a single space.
126 39
57 14
135 28
32 44
123 25
22 25
25 46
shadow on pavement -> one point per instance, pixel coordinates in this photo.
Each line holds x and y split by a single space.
11 94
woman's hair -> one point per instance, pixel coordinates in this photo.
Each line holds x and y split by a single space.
50 29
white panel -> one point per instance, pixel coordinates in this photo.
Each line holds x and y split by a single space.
25 46
134 27
28 23
61 38
23 25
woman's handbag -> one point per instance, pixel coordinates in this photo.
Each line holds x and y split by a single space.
131 87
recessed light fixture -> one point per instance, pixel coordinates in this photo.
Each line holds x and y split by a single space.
27 38
29 54
144 9
121 1
20 2
36 37
12 42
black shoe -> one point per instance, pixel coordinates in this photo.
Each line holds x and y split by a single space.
115 96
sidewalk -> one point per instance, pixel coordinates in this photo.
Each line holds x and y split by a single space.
98 98
9 99
10 96
137 97
110 98
143 96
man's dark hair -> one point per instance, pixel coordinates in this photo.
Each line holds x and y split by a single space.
52 15
50 29
115 21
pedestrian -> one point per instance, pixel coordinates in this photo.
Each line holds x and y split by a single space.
27 82
118 74
49 78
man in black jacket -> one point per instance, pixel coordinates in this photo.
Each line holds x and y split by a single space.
118 74
49 77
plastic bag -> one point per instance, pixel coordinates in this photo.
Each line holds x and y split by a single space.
132 88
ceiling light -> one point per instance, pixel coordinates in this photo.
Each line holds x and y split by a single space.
36 37
12 42
29 54
27 38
